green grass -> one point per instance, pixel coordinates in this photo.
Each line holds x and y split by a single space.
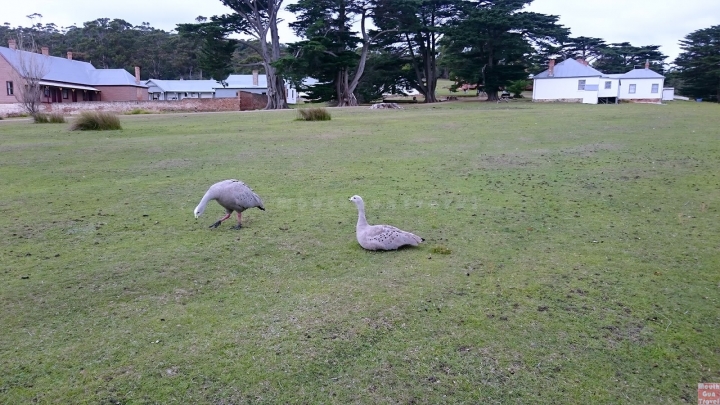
571 256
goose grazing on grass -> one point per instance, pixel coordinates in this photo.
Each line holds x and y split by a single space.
233 195
380 237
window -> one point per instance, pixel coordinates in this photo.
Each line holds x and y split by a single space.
631 89
46 92
655 88
608 84
9 86
65 93
581 84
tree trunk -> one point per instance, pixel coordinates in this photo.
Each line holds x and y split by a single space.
277 99
492 95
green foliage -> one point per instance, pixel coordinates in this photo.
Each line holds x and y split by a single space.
517 87
313 114
216 50
699 64
40 118
53 118
412 29
489 42
623 57
56 118
138 111
115 43
96 121
329 52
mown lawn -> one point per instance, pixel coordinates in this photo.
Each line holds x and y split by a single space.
572 255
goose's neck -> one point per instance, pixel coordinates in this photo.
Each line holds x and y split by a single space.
206 198
362 222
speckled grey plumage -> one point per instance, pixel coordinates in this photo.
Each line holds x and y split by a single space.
380 237
233 195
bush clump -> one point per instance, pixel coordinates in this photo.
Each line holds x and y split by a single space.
41 118
313 114
96 121
56 118
137 111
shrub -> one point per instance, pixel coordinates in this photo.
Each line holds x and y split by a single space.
56 118
517 87
137 111
41 118
96 121
313 114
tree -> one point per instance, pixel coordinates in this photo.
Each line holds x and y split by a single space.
258 19
699 63
491 43
31 67
216 49
330 52
417 26
623 57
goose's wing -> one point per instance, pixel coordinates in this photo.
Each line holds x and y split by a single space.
386 237
245 197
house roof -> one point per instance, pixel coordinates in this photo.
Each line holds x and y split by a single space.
641 74
569 68
69 71
194 86
244 82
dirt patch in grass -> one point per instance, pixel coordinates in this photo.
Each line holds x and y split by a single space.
591 149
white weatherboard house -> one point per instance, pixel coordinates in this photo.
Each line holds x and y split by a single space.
228 88
180 89
575 81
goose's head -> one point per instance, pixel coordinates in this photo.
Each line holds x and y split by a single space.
356 199
198 211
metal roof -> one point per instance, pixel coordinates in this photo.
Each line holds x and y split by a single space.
244 82
69 71
66 85
193 86
641 74
569 68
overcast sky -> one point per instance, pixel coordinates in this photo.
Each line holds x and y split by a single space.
645 22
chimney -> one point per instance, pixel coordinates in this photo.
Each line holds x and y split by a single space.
45 50
583 61
12 44
551 68
69 55
137 74
647 63
256 81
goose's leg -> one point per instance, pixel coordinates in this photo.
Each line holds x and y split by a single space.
216 224
239 225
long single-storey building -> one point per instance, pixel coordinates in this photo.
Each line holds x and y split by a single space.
64 80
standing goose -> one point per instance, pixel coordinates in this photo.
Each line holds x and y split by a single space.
233 195
380 237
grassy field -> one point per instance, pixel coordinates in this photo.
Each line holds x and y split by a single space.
572 255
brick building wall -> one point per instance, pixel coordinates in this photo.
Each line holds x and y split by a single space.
252 101
7 74
244 101
122 93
